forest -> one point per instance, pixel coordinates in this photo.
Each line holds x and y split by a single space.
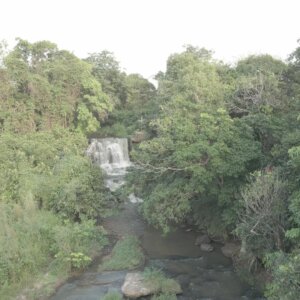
217 145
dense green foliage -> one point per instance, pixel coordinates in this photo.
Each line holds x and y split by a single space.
45 87
220 150
49 168
263 220
200 156
46 184
133 96
224 155
30 238
50 193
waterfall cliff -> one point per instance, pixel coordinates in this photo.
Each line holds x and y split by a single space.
111 155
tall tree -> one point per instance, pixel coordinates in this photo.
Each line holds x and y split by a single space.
199 156
52 87
107 71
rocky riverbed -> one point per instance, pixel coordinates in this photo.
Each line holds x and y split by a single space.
201 274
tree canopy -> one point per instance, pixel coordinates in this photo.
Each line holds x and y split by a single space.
219 150
49 87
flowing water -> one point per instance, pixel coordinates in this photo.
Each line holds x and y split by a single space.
111 155
202 275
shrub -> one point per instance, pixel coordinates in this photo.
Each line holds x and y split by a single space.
285 270
264 217
26 237
51 169
75 243
32 239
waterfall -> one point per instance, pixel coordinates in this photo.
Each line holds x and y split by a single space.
111 155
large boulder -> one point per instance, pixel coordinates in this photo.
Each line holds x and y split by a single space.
206 247
231 249
138 136
202 239
134 286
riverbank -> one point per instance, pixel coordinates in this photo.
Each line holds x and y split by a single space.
46 283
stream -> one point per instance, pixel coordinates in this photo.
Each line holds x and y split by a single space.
202 275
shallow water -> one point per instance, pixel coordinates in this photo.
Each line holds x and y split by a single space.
202 275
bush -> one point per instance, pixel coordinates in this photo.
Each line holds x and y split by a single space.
127 254
51 169
264 217
76 183
32 239
75 243
47 183
26 237
285 269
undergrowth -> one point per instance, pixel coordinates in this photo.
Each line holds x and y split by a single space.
34 242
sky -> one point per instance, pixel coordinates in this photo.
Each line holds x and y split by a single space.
143 33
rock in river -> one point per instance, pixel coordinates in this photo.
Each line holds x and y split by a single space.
135 287
231 249
206 247
202 239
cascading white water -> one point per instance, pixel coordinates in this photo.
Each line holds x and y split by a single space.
111 155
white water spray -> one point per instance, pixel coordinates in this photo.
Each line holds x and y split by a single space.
111 155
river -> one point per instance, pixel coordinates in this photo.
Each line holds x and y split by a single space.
202 275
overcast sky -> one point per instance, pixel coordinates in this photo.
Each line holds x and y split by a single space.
143 33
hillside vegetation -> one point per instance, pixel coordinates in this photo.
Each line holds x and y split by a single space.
220 150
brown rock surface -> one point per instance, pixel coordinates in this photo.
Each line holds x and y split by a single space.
231 249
